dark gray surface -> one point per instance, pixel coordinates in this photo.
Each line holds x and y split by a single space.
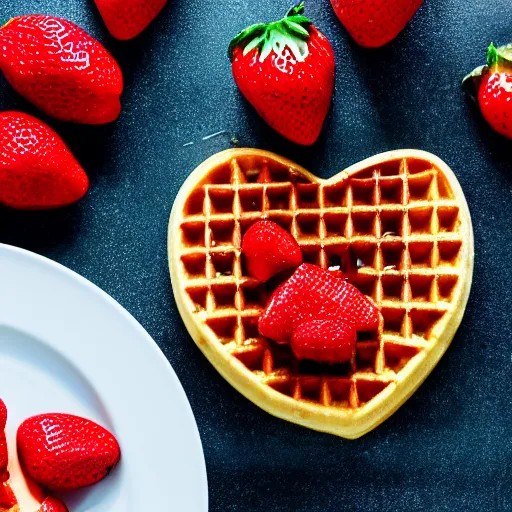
450 446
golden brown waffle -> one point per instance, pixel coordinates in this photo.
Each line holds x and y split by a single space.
398 225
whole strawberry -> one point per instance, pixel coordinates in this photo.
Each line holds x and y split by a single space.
37 170
285 69
491 86
269 249
374 23
64 452
126 19
61 69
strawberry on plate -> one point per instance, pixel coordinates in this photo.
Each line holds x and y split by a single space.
313 293
126 19
269 249
491 86
3 442
285 69
53 505
374 23
8 500
324 341
64 452
37 170
7 497
61 69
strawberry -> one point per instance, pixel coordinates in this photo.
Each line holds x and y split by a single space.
53 505
312 293
285 69
37 170
269 249
63 452
325 341
491 86
61 69
126 19
3 442
374 23
7 498
3 415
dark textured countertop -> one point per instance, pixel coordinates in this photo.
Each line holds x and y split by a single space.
450 446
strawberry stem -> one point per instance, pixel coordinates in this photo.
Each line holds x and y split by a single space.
492 55
500 57
290 32
496 58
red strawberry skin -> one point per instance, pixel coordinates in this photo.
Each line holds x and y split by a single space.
374 23
495 100
312 293
126 19
64 452
62 70
3 442
269 249
293 97
53 505
4 458
37 170
491 87
324 341
7 498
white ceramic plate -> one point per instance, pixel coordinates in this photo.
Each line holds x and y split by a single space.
66 346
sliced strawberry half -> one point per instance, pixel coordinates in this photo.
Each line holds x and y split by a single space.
269 249
312 293
324 341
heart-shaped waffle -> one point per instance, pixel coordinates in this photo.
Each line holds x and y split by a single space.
399 226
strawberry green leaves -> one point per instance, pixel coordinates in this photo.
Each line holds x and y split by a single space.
471 82
290 32
496 57
501 57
